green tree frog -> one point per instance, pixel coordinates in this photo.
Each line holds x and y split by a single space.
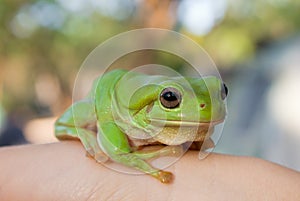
126 111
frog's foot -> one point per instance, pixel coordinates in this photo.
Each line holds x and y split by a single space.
99 156
90 153
89 141
163 176
159 151
132 160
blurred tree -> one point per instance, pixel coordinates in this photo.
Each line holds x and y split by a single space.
47 40
250 25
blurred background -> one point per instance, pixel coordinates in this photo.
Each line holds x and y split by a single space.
255 45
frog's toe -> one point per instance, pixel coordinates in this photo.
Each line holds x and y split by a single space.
90 153
100 157
164 176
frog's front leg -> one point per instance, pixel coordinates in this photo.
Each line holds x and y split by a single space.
73 125
159 151
115 144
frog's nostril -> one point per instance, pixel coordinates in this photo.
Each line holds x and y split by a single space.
202 105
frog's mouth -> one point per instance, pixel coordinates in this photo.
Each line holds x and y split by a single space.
163 122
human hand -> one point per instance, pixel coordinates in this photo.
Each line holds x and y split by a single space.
60 171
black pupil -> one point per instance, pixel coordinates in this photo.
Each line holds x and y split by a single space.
170 96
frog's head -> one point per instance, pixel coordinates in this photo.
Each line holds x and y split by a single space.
184 101
170 103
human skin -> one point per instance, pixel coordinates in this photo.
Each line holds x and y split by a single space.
60 171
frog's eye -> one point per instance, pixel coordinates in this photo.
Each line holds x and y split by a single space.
224 91
170 98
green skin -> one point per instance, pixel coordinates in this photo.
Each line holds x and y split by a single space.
125 107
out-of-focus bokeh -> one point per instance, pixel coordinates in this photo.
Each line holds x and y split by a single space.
255 45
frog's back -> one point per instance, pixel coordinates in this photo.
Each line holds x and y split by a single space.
105 82
102 91
82 113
